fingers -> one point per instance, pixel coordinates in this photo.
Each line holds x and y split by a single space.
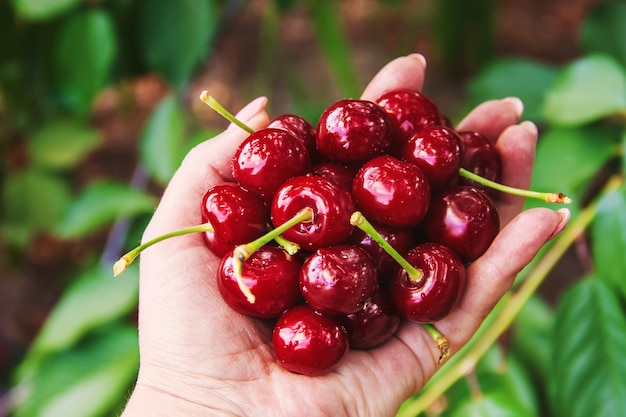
492 117
404 72
207 164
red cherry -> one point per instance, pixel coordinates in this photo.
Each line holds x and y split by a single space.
338 280
332 207
481 158
236 215
309 343
300 128
374 324
463 218
270 273
353 131
267 158
339 174
409 111
431 297
437 151
391 192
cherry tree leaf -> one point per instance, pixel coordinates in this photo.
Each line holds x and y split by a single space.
604 30
43 9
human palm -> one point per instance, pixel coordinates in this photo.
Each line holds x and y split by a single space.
198 357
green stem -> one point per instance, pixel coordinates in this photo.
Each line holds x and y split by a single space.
210 101
121 265
509 308
558 198
440 340
357 219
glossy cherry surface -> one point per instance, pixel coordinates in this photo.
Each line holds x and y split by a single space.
267 158
332 207
463 218
339 174
437 150
353 131
431 297
374 324
299 127
392 192
338 280
309 343
270 273
480 157
409 111
237 216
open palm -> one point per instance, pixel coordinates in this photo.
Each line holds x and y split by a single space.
198 357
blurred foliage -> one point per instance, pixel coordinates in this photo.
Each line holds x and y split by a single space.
57 56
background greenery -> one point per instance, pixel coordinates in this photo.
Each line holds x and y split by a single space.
99 104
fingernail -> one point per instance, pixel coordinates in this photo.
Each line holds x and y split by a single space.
420 58
517 104
565 216
530 127
251 109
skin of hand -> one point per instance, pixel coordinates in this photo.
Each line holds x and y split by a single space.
200 358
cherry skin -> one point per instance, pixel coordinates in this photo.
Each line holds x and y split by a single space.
437 151
338 280
409 111
341 175
353 131
463 218
267 158
332 207
374 324
481 158
236 215
401 239
300 128
270 273
309 343
431 297
392 192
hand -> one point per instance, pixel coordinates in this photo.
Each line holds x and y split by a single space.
199 358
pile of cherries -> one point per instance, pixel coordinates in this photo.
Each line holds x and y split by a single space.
339 231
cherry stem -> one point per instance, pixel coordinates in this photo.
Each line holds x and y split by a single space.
358 219
242 252
210 101
440 340
121 265
290 247
558 198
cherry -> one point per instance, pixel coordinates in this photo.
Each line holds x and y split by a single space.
341 175
463 218
270 273
437 151
374 324
338 280
331 205
353 131
309 343
300 128
401 239
481 158
391 192
430 297
409 111
236 215
267 158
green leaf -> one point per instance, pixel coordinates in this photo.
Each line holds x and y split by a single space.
567 159
99 204
589 342
608 233
604 30
32 201
86 381
161 146
532 80
43 9
174 36
83 58
587 90
61 144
